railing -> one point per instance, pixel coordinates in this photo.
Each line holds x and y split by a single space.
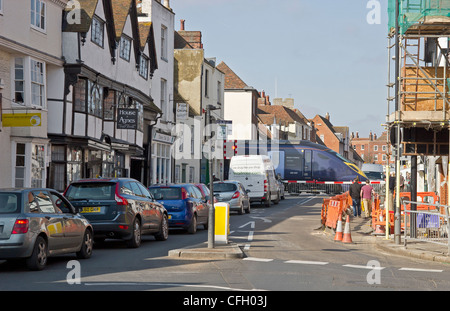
431 226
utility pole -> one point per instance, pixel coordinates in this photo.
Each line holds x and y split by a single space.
397 217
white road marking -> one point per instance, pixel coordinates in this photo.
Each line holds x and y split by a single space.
420 270
364 267
258 259
306 262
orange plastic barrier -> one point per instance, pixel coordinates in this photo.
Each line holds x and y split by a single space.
332 208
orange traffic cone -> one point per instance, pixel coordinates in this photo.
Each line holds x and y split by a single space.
347 234
338 235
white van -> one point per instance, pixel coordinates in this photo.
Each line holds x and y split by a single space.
373 171
257 174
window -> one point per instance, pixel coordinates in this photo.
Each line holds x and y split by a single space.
125 48
163 42
37 166
38 8
108 105
95 99
80 96
362 147
206 83
37 83
97 31
375 148
20 166
143 66
19 80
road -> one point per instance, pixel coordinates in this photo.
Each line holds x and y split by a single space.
284 251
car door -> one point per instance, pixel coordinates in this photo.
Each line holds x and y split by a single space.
155 214
202 206
73 226
41 205
142 206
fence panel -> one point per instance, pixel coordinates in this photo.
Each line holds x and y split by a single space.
431 226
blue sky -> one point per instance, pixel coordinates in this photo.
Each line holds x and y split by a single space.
324 54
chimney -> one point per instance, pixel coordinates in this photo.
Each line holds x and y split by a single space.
370 136
167 4
327 116
263 94
182 24
357 134
267 100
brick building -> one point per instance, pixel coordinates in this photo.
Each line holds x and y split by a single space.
372 149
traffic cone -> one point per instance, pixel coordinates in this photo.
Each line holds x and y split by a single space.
338 235
347 234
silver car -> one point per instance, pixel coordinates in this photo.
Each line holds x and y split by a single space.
36 223
233 193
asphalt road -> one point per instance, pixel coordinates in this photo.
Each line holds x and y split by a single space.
284 252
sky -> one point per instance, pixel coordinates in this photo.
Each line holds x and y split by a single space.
324 54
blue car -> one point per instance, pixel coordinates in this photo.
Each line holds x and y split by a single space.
185 204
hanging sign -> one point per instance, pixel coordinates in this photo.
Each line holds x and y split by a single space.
127 119
21 119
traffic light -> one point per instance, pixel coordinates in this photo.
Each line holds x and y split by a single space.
229 148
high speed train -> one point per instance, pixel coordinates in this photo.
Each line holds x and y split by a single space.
303 160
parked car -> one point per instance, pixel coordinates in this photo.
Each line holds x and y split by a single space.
205 192
186 205
233 193
119 208
36 223
280 187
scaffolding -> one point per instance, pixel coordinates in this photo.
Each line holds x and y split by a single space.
422 107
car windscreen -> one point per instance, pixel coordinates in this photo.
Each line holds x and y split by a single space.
9 203
166 193
91 191
224 187
374 175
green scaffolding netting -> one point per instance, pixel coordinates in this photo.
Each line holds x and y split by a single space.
413 11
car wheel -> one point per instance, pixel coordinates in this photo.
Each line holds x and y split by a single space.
163 233
248 208
268 200
86 246
38 258
241 209
135 240
278 198
193 226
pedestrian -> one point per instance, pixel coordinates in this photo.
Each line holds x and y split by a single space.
367 193
392 182
355 194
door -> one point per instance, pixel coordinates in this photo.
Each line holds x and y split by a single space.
41 205
73 226
154 214
142 206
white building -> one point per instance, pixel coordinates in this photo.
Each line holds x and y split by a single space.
31 72
241 98
162 18
199 86
102 105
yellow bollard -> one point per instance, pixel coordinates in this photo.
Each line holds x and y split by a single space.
222 223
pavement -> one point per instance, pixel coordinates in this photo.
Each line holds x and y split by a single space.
361 233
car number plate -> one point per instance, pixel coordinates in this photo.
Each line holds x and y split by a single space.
95 209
